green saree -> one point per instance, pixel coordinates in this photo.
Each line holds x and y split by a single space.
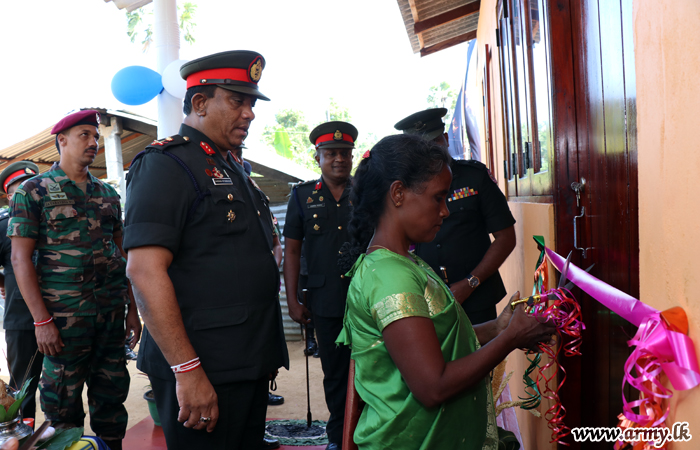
387 287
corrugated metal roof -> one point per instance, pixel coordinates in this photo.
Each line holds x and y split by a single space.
451 22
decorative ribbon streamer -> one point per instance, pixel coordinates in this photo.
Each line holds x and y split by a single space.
565 312
661 346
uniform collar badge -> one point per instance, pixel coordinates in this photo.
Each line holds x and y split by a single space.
207 148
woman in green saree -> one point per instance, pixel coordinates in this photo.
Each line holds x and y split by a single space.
420 366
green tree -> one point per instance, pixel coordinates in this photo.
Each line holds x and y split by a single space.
294 123
143 16
443 96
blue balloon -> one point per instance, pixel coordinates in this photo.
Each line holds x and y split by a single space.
136 85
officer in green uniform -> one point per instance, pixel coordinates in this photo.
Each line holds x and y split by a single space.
78 292
23 357
317 217
200 239
462 252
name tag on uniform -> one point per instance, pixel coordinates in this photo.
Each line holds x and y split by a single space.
59 202
58 196
221 181
316 205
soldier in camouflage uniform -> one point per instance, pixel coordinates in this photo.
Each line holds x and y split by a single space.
78 293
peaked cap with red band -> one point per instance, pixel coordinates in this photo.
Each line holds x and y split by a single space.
84 117
236 70
334 134
17 171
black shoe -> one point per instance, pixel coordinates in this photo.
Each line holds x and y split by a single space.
274 400
311 347
317 354
269 444
333 446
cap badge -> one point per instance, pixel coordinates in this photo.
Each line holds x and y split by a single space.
97 118
255 70
338 135
419 125
29 171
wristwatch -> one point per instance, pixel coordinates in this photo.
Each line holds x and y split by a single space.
473 281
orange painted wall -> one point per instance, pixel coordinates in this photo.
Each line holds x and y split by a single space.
667 43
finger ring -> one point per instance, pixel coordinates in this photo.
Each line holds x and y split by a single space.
205 419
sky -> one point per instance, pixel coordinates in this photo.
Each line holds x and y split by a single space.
61 55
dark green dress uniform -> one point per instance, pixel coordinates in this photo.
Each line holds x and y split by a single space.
183 196
315 217
477 208
17 320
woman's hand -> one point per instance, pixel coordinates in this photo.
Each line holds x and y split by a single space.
527 330
504 317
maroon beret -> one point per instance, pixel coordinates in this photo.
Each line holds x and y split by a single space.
84 117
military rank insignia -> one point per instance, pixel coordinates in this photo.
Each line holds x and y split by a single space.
206 147
462 193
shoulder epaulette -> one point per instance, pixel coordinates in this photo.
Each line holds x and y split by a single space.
303 183
168 142
470 162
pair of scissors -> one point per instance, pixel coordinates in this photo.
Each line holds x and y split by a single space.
533 299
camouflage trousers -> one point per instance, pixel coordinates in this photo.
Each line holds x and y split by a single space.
93 355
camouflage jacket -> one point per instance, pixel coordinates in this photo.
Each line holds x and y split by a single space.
80 268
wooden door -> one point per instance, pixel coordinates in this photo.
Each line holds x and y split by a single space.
595 136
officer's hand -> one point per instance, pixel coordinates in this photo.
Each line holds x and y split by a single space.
461 290
133 323
49 339
197 399
298 312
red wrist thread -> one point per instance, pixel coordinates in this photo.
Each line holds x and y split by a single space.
186 366
43 322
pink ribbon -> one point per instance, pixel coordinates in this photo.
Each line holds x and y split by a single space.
661 345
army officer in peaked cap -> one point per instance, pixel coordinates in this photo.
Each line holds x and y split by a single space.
17 320
200 239
462 252
317 216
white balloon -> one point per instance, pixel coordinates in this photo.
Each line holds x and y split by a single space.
172 81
